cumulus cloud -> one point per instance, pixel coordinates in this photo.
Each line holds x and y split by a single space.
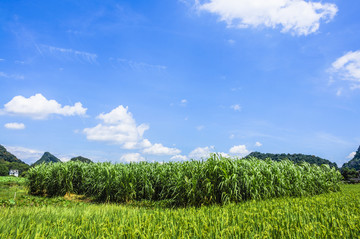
119 127
14 125
298 17
258 144
347 68
159 149
38 107
201 152
239 150
179 157
351 155
65 158
132 158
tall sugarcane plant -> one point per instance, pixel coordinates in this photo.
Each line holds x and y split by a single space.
216 180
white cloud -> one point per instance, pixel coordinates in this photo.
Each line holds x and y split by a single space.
298 17
347 68
236 107
38 107
232 136
258 144
132 157
351 155
201 152
239 150
225 155
179 157
159 149
67 54
119 127
183 102
26 154
65 159
14 125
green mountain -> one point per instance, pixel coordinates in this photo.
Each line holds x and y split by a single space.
355 162
47 158
8 157
296 158
9 161
81 159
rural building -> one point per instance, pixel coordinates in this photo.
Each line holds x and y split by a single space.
14 172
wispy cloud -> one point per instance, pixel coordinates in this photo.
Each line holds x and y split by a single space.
236 107
67 54
136 65
351 155
29 155
11 76
329 138
200 127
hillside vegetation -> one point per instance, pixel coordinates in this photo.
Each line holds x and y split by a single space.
47 158
296 158
81 159
9 161
354 163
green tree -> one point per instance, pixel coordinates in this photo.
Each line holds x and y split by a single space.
348 173
4 171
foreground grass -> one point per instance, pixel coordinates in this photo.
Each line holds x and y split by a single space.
11 188
331 215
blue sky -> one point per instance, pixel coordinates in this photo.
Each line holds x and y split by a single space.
126 81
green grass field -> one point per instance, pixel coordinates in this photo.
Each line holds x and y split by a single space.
329 215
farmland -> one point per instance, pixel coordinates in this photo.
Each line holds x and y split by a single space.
328 209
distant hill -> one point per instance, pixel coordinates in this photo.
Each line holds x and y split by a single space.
355 162
296 158
47 158
8 157
9 161
81 159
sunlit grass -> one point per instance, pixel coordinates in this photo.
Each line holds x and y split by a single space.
329 215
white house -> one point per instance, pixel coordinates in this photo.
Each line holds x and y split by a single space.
14 172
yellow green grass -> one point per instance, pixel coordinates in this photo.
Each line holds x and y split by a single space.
329 215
